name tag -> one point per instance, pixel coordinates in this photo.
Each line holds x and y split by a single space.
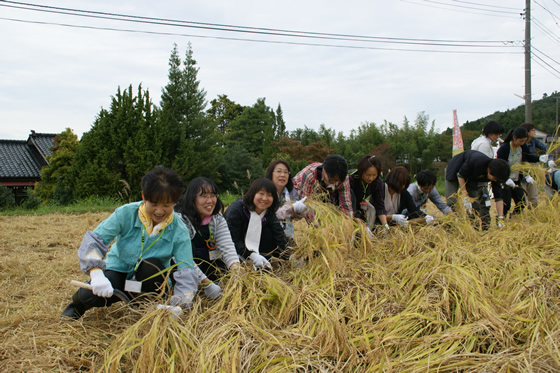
488 203
133 286
215 254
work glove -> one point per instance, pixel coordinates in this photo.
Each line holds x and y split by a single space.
467 204
500 222
510 183
400 219
529 179
101 286
299 206
212 290
260 261
429 219
551 164
175 311
543 158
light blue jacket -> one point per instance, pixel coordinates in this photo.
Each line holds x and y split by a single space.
125 227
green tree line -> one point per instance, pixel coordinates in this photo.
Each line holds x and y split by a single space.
225 141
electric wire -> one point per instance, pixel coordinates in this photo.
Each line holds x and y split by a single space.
222 27
258 40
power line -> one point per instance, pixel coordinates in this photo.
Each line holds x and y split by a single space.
486 5
544 54
494 12
254 40
230 28
554 18
544 67
547 32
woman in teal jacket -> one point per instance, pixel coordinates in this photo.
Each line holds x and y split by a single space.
147 235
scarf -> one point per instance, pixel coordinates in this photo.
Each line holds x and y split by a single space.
254 230
149 224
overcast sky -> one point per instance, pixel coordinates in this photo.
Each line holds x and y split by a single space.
59 70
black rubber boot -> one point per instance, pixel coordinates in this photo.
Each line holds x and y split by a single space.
74 310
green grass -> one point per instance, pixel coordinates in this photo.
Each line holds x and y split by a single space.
91 204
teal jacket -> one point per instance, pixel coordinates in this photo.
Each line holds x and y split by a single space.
124 226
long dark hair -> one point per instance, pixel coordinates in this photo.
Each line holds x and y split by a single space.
198 187
518 133
258 185
366 162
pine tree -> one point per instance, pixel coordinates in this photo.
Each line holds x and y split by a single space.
118 150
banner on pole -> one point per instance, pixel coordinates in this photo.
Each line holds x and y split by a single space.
457 138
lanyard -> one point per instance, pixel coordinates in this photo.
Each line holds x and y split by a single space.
142 251
365 190
210 242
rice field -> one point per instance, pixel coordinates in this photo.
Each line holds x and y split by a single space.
440 298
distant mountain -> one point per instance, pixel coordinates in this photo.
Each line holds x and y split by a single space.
544 114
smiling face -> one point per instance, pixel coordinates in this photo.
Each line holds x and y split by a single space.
158 211
370 175
280 176
205 202
262 201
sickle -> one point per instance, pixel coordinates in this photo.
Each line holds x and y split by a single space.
116 292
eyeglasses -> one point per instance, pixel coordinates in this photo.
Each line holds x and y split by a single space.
286 172
208 196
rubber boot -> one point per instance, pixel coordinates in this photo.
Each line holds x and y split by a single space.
74 310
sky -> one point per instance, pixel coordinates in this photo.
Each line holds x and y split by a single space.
406 57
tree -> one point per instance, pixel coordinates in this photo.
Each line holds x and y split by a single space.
254 130
223 112
238 169
119 148
186 134
55 181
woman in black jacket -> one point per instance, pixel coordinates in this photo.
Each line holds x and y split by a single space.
256 232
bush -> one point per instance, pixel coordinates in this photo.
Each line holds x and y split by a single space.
7 198
32 201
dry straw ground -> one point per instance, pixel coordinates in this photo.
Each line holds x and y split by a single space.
443 298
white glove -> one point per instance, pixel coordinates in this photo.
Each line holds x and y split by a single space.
260 261
467 204
101 286
299 206
543 158
212 290
510 183
529 179
386 227
551 164
400 219
175 311
429 219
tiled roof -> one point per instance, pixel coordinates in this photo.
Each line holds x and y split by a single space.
43 142
24 159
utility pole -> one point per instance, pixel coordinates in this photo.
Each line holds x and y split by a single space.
528 109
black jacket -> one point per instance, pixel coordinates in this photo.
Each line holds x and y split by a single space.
472 166
273 239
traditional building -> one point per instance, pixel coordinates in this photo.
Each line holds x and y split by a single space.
21 161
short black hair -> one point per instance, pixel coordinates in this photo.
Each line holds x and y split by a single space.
426 177
256 186
398 179
528 126
197 187
335 165
162 184
270 171
366 162
492 127
499 168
